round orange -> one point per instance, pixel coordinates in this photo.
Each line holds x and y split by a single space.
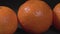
35 16
8 20
57 16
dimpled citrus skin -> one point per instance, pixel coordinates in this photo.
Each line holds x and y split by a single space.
57 16
35 16
8 20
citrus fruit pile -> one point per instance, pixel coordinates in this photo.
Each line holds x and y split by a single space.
34 16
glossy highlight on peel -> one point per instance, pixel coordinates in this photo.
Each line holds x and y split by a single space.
35 16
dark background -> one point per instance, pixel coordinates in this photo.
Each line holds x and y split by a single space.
14 4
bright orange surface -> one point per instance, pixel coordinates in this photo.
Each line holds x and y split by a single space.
8 20
35 16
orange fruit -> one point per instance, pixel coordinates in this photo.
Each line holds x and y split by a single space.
57 16
35 16
8 20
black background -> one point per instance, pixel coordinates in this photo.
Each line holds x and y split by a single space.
14 4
